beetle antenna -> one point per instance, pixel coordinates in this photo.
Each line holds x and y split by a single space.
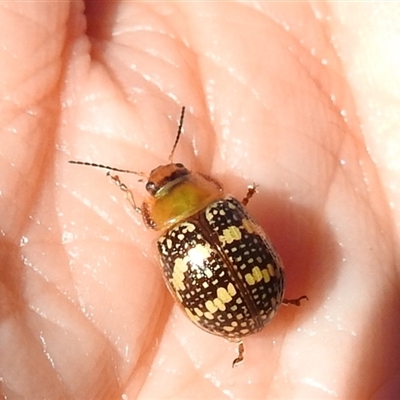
178 135
142 174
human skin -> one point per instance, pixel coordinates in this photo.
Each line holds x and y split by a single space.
301 98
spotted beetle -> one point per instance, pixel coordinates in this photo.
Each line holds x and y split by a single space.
217 262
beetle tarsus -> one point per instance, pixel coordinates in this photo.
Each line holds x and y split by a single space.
124 188
251 191
294 302
239 359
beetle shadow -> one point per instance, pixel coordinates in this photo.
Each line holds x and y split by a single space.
304 241
306 244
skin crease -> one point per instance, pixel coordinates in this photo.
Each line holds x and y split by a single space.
297 97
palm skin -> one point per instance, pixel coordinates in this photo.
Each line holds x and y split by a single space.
299 98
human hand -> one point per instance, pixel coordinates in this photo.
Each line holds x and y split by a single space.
299 98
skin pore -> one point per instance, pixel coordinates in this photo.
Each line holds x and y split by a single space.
300 98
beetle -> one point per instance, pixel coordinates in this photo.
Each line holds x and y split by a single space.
217 262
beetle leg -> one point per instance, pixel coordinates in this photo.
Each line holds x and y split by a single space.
294 302
240 356
251 190
124 188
